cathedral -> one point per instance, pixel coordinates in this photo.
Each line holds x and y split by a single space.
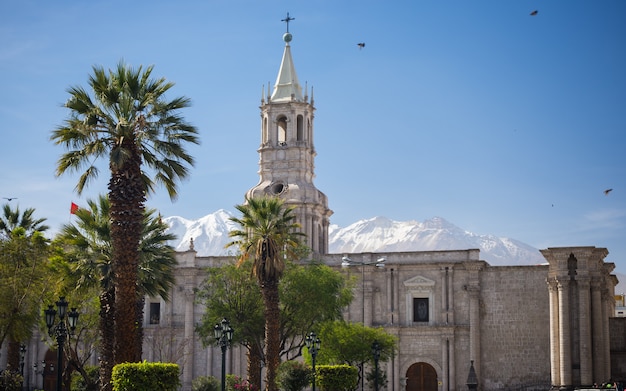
459 321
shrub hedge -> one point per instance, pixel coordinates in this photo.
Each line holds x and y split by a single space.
145 376
336 377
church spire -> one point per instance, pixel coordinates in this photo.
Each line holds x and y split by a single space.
287 87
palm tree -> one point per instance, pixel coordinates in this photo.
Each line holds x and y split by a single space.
21 235
89 249
267 236
12 219
126 119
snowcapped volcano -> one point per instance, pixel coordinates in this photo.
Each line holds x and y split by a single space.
378 234
209 233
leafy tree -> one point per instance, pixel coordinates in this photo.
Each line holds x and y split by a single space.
10 381
127 119
351 343
88 247
267 236
231 292
309 293
23 252
205 383
80 384
293 376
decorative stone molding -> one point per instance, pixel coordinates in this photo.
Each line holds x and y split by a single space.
419 287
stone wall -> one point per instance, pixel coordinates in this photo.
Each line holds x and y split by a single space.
515 327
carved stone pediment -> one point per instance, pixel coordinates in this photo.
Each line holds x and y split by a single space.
419 283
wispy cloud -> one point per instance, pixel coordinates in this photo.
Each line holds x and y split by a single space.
604 219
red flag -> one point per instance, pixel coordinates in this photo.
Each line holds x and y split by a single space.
73 208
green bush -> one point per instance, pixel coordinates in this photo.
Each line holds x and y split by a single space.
145 376
293 376
93 384
337 377
382 379
10 381
205 383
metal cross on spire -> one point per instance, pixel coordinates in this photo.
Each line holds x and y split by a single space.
287 20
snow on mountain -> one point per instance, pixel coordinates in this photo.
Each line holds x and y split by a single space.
209 233
379 234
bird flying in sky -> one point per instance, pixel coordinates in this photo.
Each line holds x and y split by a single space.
607 191
361 45
533 13
10 198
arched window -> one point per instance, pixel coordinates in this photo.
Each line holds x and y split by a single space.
282 131
300 128
264 136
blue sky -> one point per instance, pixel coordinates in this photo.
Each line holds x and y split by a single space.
500 122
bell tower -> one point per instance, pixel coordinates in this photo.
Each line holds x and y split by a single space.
287 153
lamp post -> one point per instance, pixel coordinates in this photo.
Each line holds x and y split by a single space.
42 372
64 328
379 263
313 343
22 356
224 336
376 348
347 262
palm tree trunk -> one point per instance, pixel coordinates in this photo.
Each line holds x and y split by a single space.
107 336
13 356
272 332
255 365
127 196
139 309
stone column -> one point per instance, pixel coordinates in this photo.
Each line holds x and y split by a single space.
367 297
445 368
565 350
451 296
474 314
597 335
452 364
396 382
555 371
473 290
396 298
586 367
315 235
389 293
189 340
606 314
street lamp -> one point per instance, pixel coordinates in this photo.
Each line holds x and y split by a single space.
60 331
224 336
43 371
376 348
22 356
379 263
347 262
313 343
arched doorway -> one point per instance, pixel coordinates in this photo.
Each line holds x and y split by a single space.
421 377
49 375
